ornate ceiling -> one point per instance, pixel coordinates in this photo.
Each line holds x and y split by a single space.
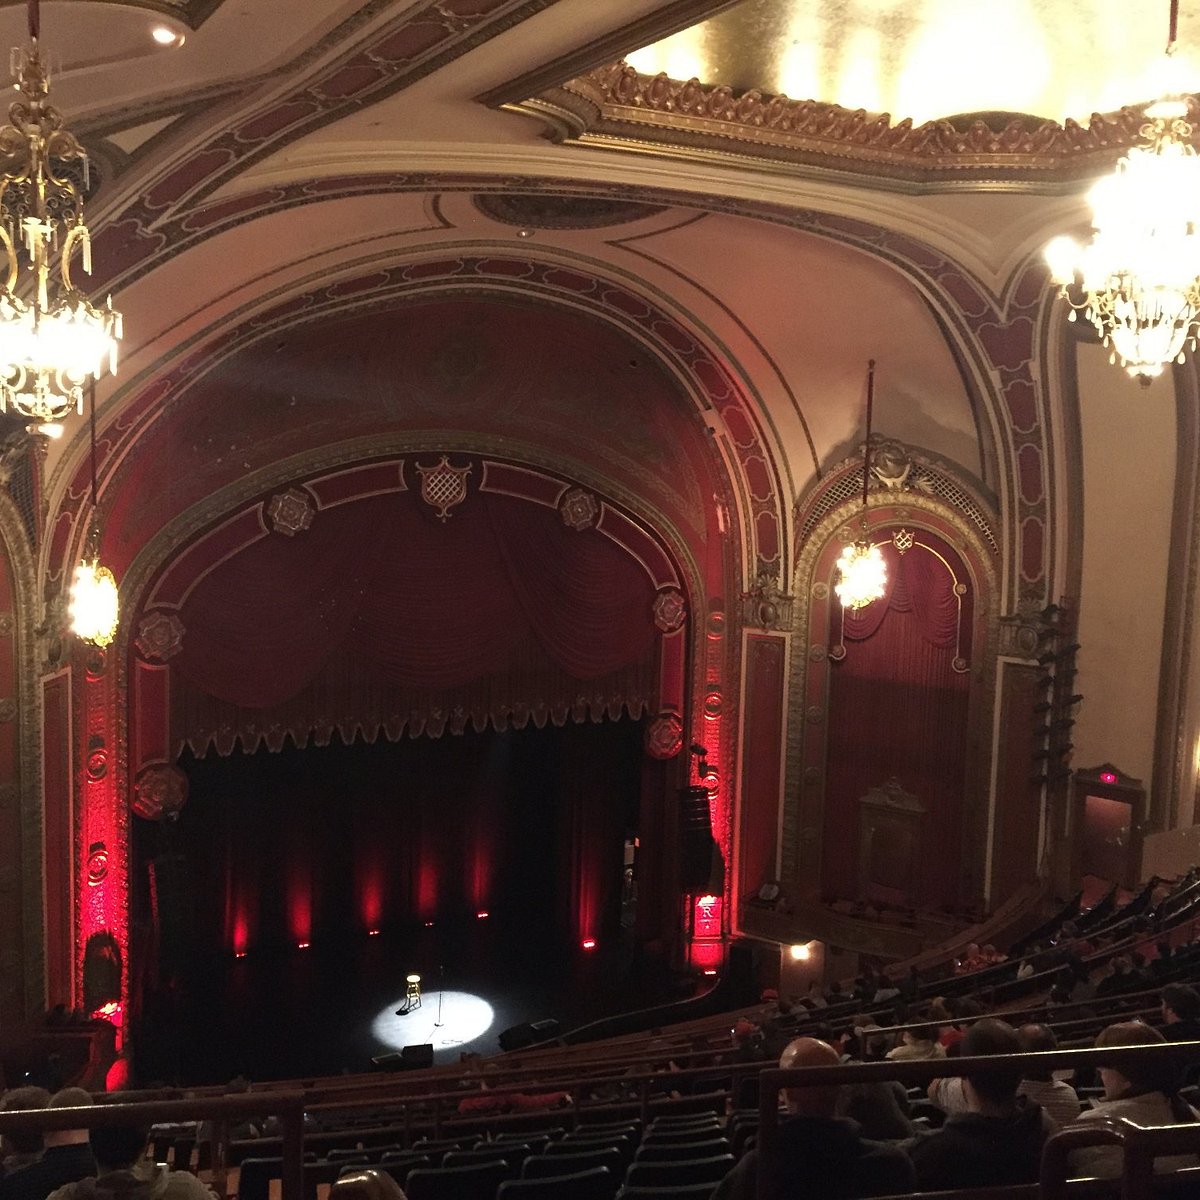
292 149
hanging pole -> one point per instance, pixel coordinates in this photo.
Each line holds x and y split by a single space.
867 443
1173 26
34 15
92 432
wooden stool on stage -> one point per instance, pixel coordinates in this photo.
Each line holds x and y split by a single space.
412 999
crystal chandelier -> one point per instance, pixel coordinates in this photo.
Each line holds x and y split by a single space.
1140 274
861 571
94 609
53 340
862 575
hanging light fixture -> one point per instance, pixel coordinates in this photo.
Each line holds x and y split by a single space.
1140 274
53 340
94 608
861 571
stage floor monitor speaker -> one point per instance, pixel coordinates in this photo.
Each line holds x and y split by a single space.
418 1057
517 1037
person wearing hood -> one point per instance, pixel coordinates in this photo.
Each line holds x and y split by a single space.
817 1153
123 1173
998 1141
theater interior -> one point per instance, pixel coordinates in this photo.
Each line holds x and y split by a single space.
501 384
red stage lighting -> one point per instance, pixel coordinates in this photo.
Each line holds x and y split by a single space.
240 954
710 971
481 916
1107 777
372 933
302 945
428 924
588 943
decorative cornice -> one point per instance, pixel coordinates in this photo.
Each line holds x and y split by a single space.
619 107
192 13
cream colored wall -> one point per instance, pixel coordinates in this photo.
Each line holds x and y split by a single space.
1128 450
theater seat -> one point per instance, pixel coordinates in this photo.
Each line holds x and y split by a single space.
366 1184
666 1174
671 1152
478 1182
686 1191
571 1164
596 1184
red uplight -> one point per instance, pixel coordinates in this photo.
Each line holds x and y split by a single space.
240 954
1107 777
372 933
588 943
481 916
710 972
428 924
302 945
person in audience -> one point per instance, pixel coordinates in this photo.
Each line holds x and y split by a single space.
998 1141
917 1043
1058 1100
21 1147
815 997
1143 1092
67 1156
819 1154
972 960
1161 965
881 1108
1181 1013
1118 979
910 986
123 1173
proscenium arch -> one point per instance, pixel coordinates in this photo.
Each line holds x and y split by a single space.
995 336
808 689
746 461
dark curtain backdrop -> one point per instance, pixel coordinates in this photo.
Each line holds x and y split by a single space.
325 843
380 616
898 708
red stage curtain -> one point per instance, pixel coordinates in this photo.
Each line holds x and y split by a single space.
382 616
898 708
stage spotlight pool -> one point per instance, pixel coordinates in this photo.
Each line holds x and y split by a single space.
447 1019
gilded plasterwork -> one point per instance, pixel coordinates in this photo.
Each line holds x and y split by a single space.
616 106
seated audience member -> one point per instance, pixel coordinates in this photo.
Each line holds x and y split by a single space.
998 1141
815 997
123 1173
881 1109
917 1043
1180 1013
67 1156
1161 965
817 1153
1142 1092
972 960
23 1146
1058 1100
1119 979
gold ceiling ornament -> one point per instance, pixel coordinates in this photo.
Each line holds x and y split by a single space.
53 340
1138 279
94 605
861 570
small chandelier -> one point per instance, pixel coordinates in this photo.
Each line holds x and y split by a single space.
862 574
861 571
94 608
1140 274
53 340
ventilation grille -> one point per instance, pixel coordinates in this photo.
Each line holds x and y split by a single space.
922 479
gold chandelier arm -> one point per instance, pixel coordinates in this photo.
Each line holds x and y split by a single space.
77 234
10 252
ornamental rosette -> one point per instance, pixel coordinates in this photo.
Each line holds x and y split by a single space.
159 636
670 609
291 512
579 509
160 792
664 736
